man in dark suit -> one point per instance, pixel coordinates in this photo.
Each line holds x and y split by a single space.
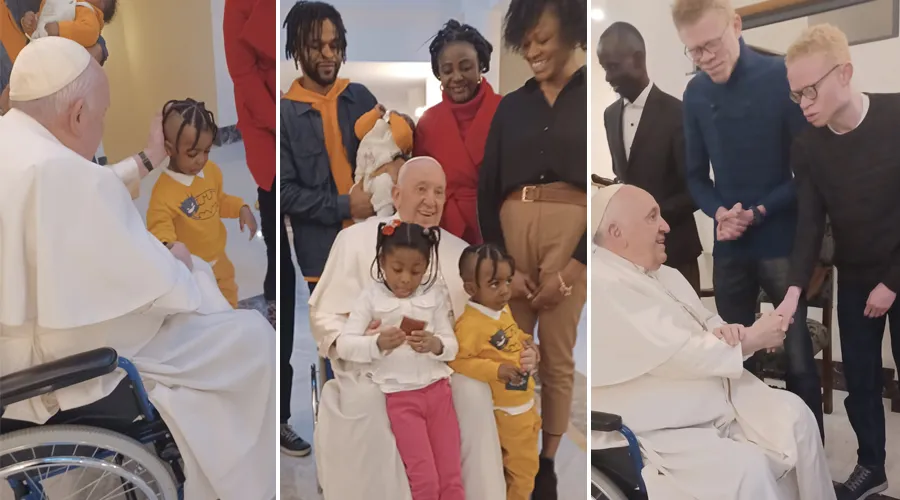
645 134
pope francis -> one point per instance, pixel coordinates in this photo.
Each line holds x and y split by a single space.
673 370
356 453
78 270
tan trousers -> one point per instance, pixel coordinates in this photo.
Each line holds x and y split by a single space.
541 237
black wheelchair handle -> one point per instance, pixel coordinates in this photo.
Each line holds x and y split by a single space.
55 375
605 422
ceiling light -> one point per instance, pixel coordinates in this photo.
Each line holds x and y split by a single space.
598 15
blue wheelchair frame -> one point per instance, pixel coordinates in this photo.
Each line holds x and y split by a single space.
155 430
605 422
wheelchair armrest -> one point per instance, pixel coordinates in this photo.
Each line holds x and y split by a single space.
605 422
55 375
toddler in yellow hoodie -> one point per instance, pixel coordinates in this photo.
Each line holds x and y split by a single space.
188 203
490 345
79 21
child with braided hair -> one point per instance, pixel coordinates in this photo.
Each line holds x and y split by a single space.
188 203
490 346
408 356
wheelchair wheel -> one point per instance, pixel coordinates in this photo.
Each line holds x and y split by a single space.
602 488
99 464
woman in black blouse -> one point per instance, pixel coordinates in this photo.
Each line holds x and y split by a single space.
532 198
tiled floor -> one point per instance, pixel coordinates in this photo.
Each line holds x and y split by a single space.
840 440
840 444
298 476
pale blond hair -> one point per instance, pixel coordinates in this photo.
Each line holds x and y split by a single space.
820 39
688 12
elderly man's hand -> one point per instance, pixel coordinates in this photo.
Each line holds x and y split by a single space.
767 333
730 334
156 141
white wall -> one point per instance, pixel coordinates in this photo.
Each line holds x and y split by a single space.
227 113
877 68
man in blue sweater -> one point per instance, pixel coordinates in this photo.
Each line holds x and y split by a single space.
738 115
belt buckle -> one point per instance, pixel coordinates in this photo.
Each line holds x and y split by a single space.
526 196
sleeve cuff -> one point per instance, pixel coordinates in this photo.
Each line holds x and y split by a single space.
343 205
374 351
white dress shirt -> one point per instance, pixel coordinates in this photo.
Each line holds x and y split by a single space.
401 369
631 118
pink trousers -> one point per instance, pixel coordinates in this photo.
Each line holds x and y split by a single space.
427 434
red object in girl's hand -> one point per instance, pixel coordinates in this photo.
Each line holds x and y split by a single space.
409 325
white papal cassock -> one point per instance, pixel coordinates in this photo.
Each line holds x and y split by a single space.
355 450
708 430
78 271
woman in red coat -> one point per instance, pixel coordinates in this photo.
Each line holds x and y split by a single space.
455 131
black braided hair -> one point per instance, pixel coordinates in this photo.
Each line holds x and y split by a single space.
304 23
109 10
405 235
524 15
192 113
453 31
484 252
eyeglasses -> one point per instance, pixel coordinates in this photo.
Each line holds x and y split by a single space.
712 46
811 92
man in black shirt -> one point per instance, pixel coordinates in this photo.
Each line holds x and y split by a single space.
848 168
645 132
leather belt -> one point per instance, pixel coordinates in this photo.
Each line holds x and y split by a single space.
555 192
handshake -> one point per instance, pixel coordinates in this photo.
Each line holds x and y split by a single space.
768 332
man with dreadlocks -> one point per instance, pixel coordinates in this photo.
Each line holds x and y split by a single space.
87 274
318 162
188 203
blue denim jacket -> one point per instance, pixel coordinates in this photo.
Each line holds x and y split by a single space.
309 195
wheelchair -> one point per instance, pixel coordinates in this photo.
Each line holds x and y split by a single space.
121 437
322 367
616 472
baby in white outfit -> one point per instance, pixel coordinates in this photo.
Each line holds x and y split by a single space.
386 143
81 21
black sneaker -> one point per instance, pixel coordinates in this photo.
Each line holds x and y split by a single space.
862 483
292 444
545 481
